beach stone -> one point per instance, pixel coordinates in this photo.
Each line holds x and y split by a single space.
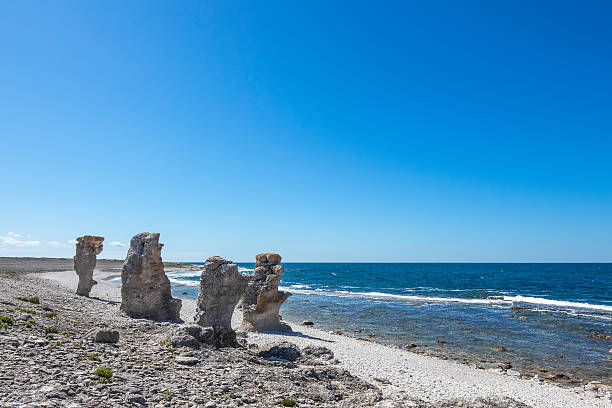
221 287
88 247
262 299
145 290
307 323
184 340
193 336
186 360
106 336
285 351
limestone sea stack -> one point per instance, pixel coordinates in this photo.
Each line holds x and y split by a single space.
145 290
221 287
88 247
262 299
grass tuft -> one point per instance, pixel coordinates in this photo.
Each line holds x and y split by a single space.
51 330
28 324
94 357
30 299
103 372
21 309
6 319
286 402
50 315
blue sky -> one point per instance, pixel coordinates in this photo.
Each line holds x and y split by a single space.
351 131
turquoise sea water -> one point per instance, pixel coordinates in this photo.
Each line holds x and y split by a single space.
541 314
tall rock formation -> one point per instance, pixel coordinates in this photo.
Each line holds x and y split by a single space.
262 299
145 290
87 248
221 287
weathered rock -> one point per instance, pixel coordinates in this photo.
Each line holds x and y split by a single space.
186 360
145 290
322 353
262 299
106 336
182 339
194 336
283 351
221 287
308 323
87 248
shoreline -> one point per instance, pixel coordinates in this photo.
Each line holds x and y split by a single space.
400 374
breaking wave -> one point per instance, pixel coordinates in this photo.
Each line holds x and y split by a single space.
491 300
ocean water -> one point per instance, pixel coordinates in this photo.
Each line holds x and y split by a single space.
534 316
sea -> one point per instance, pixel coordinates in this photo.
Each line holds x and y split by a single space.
551 320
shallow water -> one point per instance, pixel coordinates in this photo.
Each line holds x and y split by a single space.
540 314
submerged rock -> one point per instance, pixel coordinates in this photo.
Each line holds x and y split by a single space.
262 299
145 290
221 287
88 247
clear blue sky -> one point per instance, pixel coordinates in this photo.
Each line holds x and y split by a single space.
325 131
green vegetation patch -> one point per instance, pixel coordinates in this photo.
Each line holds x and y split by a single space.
21 309
94 357
28 324
50 315
6 319
51 330
30 299
104 373
286 402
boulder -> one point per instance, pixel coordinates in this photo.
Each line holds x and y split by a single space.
88 247
262 299
106 336
194 336
145 290
283 351
221 287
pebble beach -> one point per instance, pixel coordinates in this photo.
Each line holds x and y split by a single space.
48 347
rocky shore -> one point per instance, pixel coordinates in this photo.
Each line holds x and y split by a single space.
60 349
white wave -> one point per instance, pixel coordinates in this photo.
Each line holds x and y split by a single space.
299 286
181 282
500 300
558 303
184 274
243 269
380 295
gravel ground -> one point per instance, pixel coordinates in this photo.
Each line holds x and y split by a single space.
361 374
